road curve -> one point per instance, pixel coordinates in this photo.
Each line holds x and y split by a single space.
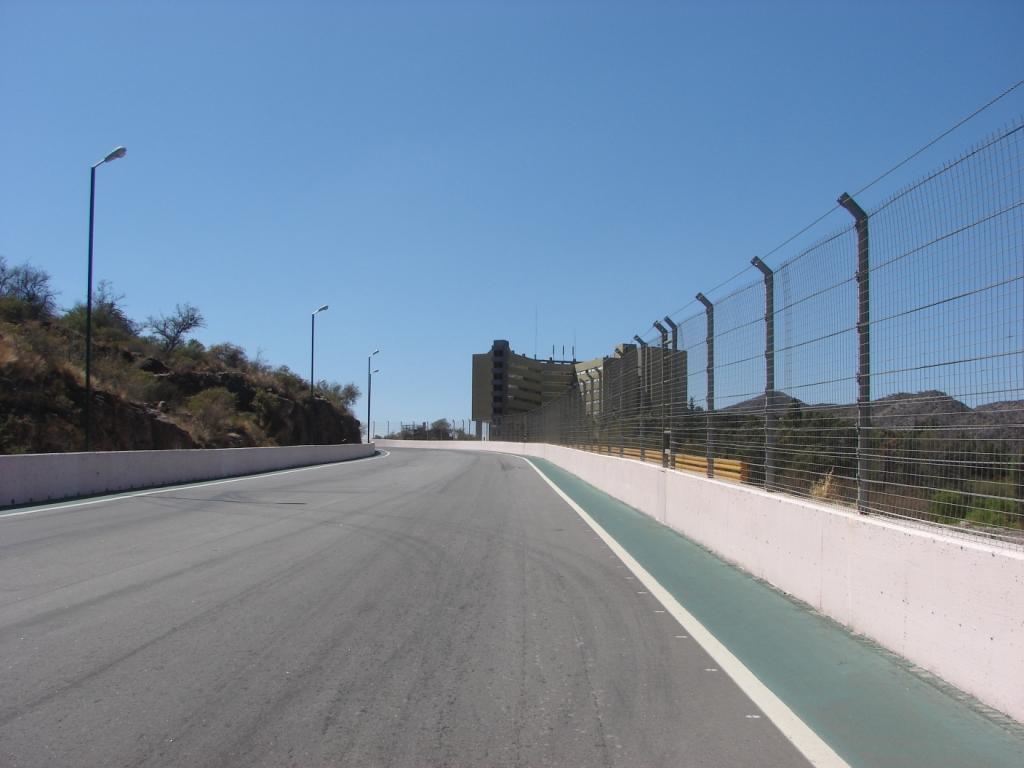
427 608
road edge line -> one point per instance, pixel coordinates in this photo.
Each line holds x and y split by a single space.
796 731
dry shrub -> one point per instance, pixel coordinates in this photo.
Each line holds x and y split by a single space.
827 488
113 375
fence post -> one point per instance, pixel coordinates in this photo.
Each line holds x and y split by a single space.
589 410
864 348
709 445
674 380
577 422
643 362
769 373
583 426
620 421
663 388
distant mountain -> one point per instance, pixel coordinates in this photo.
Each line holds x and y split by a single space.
1002 421
947 416
928 408
1000 410
755 404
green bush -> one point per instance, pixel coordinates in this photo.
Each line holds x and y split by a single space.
290 382
158 389
14 310
111 373
948 506
952 507
264 405
999 512
193 349
213 411
109 319
229 355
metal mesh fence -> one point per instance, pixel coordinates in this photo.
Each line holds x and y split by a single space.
880 369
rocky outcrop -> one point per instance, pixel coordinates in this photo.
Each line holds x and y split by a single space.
46 416
152 365
308 422
118 425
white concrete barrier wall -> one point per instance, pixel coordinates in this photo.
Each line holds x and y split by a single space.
40 477
952 605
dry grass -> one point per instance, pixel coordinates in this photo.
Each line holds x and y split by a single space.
827 488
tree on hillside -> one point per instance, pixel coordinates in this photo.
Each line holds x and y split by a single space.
230 356
171 329
342 395
108 313
28 287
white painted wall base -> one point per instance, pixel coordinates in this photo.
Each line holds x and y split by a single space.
951 605
39 477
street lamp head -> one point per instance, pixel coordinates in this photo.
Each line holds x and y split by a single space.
322 309
374 352
376 370
115 155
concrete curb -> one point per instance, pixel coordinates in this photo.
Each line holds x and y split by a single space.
42 477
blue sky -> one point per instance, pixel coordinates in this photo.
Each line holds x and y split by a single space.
436 171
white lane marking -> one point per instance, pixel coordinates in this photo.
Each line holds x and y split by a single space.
104 499
806 741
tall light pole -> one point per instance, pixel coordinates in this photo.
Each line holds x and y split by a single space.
312 344
117 153
369 392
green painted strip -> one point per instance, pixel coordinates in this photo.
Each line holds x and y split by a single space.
866 703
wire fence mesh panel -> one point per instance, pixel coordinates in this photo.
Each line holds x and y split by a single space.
739 379
694 425
948 375
880 369
816 331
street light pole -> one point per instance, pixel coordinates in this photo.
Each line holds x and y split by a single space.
117 153
312 345
369 392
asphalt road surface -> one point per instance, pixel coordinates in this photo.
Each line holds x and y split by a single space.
425 608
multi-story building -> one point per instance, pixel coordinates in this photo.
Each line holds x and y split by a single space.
647 384
506 384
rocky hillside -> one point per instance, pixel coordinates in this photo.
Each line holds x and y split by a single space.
151 395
